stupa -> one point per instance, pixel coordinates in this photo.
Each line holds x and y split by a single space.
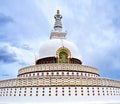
59 76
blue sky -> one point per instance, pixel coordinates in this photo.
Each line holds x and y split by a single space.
93 25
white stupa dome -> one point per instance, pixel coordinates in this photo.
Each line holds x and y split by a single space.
50 47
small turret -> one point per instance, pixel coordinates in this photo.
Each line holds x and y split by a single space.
57 32
58 24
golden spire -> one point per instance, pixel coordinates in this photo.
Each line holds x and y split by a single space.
58 11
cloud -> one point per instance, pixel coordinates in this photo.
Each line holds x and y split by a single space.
5 75
22 46
6 56
4 19
9 70
12 58
15 53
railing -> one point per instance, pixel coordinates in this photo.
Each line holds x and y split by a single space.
59 81
49 67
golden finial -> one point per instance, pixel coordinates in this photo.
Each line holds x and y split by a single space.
58 11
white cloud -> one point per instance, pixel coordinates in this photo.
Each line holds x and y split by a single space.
21 58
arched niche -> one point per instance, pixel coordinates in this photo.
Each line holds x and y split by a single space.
63 55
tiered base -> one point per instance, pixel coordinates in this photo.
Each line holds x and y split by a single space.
60 94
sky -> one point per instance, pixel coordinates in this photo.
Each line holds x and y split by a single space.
93 25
